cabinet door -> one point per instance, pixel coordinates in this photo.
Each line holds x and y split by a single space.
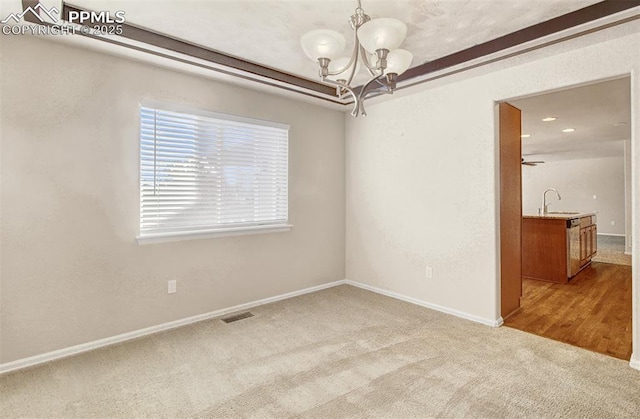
585 245
594 240
589 241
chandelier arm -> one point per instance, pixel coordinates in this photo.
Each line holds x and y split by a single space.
354 56
372 72
343 69
348 89
370 67
352 73
382 83
363 91
378 92
366 91
360 99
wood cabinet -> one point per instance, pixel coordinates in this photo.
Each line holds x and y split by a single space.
544 249
553 251
588 239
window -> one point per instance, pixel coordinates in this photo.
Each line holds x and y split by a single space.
203 173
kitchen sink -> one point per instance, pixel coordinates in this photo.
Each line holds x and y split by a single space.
563 212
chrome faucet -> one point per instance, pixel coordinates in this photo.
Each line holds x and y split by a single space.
544 209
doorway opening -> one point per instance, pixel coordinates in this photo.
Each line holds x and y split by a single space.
576 279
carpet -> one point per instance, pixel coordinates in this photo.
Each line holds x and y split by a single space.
611 250
337 353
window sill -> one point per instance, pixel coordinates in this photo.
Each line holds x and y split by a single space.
211 234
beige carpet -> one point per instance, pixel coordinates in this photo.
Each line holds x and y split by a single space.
342 352
611 250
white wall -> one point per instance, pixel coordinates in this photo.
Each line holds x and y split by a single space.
71 269
422 173
628 197
578 181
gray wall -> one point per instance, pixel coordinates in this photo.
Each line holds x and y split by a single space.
578 181
71 269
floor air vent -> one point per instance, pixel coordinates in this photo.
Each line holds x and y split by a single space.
237 317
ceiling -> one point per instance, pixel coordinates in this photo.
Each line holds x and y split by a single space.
600 114
268 32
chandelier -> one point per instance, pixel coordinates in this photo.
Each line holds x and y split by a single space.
375 49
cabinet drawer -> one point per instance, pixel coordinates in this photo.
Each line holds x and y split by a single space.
586 221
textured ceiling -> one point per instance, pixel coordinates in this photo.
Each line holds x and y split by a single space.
600 114
268 32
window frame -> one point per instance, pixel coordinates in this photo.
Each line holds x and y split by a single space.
214 232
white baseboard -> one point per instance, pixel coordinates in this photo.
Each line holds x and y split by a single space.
611 234
100 343
634 362
89 346
493 323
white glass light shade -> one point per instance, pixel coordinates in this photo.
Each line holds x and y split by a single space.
382 33
398 61
322 43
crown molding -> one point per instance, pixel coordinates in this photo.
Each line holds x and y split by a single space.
160 47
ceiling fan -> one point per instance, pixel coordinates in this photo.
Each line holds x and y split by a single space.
531 163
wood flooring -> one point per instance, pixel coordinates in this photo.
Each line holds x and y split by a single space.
593 311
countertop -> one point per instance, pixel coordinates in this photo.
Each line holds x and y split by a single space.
561 216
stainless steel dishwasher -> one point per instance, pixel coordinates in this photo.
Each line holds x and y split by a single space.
573 247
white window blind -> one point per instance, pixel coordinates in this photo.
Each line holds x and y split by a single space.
203 172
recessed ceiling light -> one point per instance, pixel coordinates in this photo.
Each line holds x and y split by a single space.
549 119
568 130
525 136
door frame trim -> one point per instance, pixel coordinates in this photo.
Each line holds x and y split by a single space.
634 86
